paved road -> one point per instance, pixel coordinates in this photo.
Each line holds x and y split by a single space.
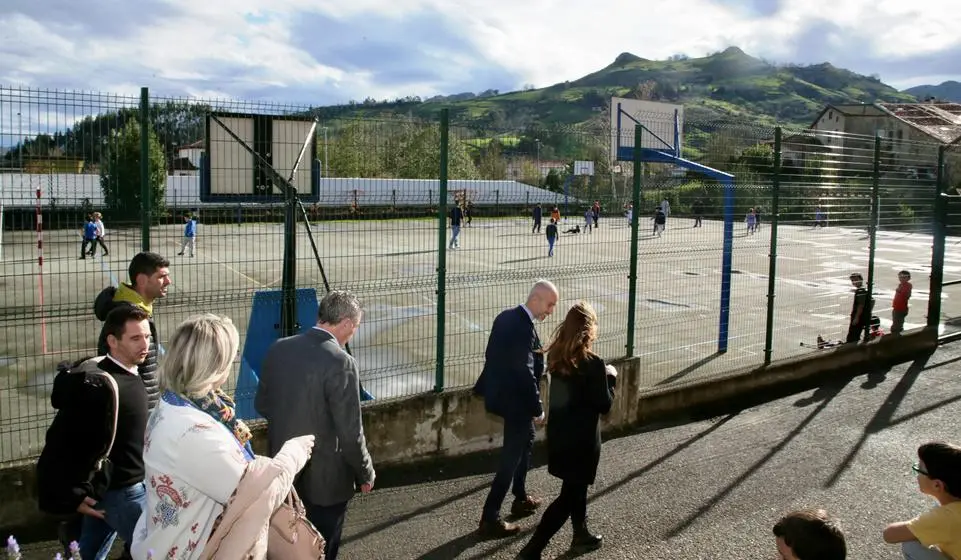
710 489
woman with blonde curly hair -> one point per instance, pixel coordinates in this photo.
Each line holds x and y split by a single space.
581 390
200 468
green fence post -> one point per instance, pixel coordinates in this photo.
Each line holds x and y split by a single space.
772 258
632 277
873 229
145 190
442 251
288 287
938 238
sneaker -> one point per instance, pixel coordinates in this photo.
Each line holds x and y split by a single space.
524 507
497 529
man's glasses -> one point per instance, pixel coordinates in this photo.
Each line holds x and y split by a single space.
917 468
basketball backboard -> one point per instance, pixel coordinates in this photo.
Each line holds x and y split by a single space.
230 172
583 167
662 131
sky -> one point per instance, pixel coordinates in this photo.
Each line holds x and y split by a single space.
319 52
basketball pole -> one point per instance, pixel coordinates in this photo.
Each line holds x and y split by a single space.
287 185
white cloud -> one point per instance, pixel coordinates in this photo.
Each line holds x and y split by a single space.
241 48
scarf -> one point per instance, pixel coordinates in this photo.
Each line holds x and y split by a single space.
127 294
222 409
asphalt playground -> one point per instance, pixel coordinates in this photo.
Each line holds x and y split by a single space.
392 266
706 490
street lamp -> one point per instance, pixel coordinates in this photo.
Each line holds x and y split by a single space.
326 170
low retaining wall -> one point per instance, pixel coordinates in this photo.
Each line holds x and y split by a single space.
433 426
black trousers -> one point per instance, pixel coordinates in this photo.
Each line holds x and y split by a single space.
514 464
329 521
571 503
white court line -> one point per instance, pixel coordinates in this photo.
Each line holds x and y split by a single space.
230 268
470 324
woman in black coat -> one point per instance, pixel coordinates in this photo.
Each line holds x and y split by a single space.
582 389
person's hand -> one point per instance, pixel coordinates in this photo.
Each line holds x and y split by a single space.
306 442
610 370
86 507
540 419
366 487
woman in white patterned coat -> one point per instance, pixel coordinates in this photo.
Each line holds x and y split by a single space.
196 452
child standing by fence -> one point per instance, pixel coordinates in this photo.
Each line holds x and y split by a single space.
900 304
190 235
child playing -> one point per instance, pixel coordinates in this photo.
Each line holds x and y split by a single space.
751 221
809 534
101 232
936 534
660 221
190 235
551 231
89 236
588 219
900 303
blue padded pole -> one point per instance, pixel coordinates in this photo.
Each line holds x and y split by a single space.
726 260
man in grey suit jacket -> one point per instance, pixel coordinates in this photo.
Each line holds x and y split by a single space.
310 385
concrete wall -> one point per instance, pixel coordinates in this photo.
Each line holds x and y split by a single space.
453 423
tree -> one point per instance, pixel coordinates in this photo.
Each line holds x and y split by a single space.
353 153
419 156
120 172
491 164
553 181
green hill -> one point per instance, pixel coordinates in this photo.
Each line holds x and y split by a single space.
723 85
948 91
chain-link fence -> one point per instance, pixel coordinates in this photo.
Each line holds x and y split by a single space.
733 250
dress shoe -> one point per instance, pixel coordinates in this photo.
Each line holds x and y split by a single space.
522 507
497 529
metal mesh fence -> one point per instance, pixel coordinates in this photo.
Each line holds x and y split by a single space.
433 256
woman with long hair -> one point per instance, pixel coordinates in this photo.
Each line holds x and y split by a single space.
200 467
581 390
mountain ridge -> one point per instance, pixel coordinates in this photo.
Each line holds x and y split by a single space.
723 85
948 91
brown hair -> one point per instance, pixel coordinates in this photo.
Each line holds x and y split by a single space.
943 462
812 534
572 339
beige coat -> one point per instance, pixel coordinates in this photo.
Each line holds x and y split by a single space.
242 533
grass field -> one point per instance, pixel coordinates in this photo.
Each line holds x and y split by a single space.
392 266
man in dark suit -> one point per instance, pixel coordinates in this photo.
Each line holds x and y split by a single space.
310 385
510 385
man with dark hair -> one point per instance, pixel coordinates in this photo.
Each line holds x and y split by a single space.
149 279
936 534
809 534
310 385
92 462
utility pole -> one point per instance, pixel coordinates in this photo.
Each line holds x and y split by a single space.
326 171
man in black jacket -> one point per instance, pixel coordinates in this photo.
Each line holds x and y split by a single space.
510 385
149 280
101 412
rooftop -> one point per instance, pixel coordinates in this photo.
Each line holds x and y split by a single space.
941 121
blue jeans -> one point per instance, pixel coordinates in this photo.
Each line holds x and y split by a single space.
550 246
454 232
514 464
122 508
913 550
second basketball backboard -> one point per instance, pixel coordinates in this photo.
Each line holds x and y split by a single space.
658 119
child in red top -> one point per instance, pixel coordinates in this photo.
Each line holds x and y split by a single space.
900 303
